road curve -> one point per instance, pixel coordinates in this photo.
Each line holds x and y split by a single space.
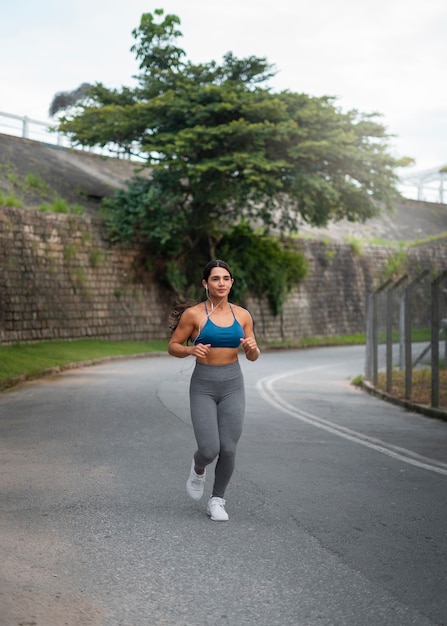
337 505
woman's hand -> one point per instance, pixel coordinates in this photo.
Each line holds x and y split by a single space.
251 349
177 349
201 350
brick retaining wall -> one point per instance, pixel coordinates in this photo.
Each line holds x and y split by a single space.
60 279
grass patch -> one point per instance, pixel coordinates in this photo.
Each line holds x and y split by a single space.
429 239
417 335
33 181
32 358
420 386
310 342
10 199
356 246
61 206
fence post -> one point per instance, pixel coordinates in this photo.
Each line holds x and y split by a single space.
408 356
369 337
435 332
25 127
371 363
389 331
402 304
444 327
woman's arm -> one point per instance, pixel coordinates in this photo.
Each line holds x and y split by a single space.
181 334
252 352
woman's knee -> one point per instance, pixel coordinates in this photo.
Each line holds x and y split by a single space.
227 453
208 454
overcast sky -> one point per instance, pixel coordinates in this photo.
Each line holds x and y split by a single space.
386 56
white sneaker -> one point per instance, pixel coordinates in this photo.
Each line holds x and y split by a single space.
216 509
195 483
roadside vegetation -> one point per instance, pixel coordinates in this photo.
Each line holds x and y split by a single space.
420 386
421 377
32 359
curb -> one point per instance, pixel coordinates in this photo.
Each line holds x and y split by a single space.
423 409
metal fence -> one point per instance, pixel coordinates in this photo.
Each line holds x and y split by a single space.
396 310
28 128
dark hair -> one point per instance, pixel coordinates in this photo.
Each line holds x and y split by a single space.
174 317
180 308
217 263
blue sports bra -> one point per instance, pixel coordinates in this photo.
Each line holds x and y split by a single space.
220 336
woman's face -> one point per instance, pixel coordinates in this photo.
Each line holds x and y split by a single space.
219 282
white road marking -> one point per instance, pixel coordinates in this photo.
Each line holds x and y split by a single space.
266 389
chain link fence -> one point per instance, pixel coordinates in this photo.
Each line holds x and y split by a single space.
406 332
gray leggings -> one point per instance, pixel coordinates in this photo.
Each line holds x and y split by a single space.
217 401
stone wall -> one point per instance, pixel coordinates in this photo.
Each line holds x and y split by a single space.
60 279
332 300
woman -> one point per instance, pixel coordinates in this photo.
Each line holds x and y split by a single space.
217 396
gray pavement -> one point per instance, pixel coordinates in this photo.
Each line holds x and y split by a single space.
337 505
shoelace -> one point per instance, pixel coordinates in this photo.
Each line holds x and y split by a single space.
220 502
198 480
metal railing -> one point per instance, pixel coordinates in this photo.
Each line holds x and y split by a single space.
427 185
35 130
28 128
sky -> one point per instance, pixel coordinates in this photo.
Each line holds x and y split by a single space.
375 56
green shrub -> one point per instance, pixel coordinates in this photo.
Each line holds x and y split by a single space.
10 199
76 209
61 206
396 264
262 266
33 181
356 246
96 258
13 178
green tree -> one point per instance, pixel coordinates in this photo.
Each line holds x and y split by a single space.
222 147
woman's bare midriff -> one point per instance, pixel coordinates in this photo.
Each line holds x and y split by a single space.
220 356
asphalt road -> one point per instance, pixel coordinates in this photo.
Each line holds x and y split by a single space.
338 508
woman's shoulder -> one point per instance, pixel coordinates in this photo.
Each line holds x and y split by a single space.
184 313
192 311
240 311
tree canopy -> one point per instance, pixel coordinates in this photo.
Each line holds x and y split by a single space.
223 148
